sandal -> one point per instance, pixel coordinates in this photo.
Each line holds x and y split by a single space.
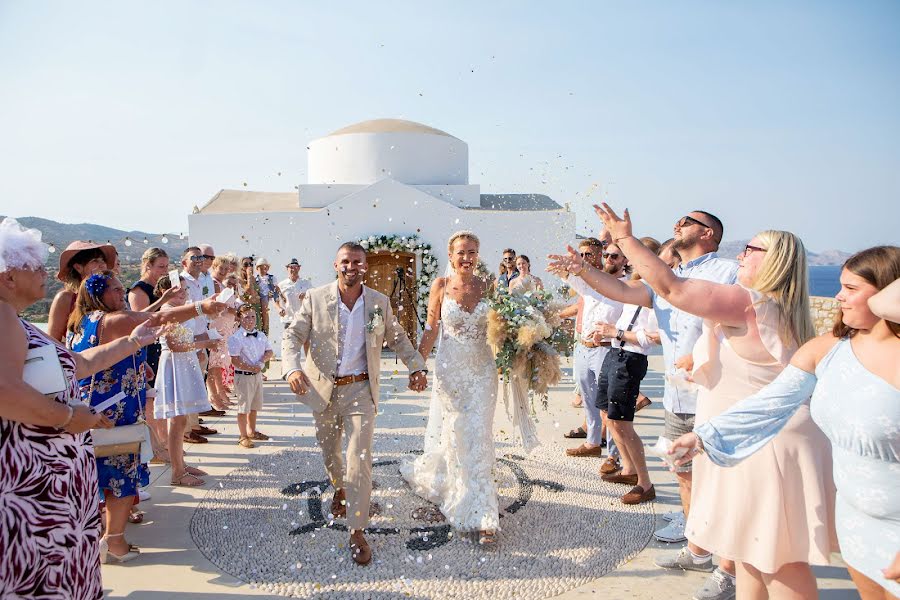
487 537
246 442
136 517
258 436
576 433
195 471
187 480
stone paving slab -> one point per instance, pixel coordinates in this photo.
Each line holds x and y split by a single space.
171 565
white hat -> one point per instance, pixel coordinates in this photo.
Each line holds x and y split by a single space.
20 247
262 261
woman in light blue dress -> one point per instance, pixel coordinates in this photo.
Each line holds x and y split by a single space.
852 382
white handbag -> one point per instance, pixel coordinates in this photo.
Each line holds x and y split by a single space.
43 371
123 439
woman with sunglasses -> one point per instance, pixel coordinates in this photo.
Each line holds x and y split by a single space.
751 330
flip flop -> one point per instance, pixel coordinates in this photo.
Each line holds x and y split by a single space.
576 433
194 471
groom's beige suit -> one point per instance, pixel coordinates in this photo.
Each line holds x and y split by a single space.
345 402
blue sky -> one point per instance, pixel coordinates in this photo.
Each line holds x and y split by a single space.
769 114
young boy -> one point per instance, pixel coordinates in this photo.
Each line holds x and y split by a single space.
249 350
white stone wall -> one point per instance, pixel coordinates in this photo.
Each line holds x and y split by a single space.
313 236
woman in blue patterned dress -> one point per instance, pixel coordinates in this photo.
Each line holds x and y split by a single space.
98 318
851 382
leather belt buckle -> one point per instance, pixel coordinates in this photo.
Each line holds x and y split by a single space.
348 379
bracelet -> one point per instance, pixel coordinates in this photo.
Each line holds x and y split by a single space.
69 418
198 308
616 240
137 344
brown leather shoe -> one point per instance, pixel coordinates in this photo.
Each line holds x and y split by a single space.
359 549
193 438
619 478
204 430
212 413
339 504
609 466
638 495
585 451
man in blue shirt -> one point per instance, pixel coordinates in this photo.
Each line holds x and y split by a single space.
697 236
509 261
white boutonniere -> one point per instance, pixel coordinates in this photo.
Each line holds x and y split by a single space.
376 321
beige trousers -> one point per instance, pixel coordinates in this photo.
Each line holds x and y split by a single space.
351 408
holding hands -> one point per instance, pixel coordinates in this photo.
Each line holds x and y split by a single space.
418 381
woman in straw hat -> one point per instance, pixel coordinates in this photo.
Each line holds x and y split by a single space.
79 260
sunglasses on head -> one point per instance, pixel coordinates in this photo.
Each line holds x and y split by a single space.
688 220
612 255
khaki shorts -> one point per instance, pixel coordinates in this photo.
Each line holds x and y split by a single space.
249 391
677 424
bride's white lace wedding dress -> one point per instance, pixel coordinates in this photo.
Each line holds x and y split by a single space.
456 469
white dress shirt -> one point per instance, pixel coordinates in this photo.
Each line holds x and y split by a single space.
194 289
247 347
352 338
644 324
597 307
292 291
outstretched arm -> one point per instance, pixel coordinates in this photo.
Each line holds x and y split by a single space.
746 427
628 292
722 303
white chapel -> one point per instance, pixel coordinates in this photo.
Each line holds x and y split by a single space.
401 187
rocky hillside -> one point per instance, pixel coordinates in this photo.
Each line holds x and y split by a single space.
828 257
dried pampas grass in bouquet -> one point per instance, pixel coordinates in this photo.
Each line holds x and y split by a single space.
496 330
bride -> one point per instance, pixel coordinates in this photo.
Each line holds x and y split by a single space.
456 469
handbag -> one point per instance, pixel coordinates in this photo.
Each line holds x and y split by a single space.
123 439
43 371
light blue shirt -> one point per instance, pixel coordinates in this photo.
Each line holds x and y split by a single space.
679 330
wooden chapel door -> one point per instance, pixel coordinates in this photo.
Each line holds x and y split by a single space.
394 275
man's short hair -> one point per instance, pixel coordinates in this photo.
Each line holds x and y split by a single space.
352 246
509 250
715 223
594 242
190 249
244 309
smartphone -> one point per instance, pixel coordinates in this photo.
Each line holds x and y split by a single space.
225 295
173 278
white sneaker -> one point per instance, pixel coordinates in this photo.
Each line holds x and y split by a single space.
718 586
673 532
143 496
684 560
671 515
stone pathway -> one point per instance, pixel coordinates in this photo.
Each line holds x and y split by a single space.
254 528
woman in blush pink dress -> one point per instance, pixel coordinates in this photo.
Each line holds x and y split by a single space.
225 325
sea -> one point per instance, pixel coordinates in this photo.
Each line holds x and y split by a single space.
824 280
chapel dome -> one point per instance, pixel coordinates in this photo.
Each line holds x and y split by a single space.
406 151
388 126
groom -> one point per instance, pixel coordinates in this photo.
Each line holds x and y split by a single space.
346 324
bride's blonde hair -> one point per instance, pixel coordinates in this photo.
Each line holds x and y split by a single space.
463 235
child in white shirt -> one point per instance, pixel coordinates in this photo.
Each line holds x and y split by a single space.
249 349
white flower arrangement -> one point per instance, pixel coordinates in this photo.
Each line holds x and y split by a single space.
409 243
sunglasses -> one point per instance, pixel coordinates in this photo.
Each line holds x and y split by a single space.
748 249
612 255
509 258
686 220
196 258
208 257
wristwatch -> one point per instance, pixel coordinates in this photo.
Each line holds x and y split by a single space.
620 334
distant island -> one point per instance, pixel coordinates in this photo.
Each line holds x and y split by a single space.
826 257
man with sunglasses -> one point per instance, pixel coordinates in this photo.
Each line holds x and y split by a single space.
509 261
697 236
589 355
207 285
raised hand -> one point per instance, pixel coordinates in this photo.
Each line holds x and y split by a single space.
147 332
618 227
212 307
571 262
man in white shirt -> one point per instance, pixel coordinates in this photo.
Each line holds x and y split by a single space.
293 290
339 380
207 284
589 355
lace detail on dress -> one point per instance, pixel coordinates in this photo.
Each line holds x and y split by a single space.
456 470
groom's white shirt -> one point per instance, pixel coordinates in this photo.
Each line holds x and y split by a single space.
352 337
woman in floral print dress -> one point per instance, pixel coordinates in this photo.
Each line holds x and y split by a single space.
98 318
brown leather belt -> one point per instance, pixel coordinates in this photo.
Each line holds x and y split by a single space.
593 345
348 379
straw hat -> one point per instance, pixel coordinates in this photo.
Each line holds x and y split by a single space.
262 262
109 253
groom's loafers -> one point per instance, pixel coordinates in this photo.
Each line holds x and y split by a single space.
360 551
339 505
637 495
619 478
